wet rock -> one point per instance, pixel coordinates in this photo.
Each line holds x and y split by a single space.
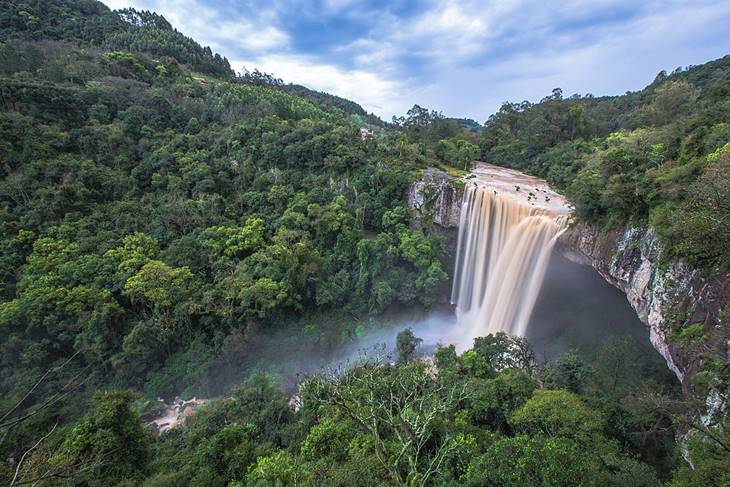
175 414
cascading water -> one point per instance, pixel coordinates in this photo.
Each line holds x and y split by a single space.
508 226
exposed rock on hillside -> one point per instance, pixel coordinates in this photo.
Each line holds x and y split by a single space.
175 414
436 197
664 297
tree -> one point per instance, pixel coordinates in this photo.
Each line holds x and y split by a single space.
406 346
494 400
557 413
107 447
159 286
501 351
401 410
673 100
278 470
568 371
703 220
525 461
710 459
136 250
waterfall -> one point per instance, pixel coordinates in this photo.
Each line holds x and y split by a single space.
508 226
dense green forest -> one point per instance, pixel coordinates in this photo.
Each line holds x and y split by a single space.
156 208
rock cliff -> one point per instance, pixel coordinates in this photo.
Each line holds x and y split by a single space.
436 197
665 296
434 201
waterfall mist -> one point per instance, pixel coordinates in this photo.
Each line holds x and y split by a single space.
293 355
509 224
578 309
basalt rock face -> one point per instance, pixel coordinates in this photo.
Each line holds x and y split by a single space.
437 198
435 201
665 297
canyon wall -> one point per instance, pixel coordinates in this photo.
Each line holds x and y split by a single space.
665 296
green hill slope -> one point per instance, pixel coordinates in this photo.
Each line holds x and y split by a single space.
153 205
659 155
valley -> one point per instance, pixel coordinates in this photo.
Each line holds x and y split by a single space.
537 300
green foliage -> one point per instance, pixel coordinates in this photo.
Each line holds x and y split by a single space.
85 20
153 206
107 447
526 461
406 346
453 142
494 399
457 152
277 470
652 156
158 285
381 424
710 460
700 224
557 413
155 210
569 371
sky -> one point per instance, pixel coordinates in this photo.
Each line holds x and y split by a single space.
464 58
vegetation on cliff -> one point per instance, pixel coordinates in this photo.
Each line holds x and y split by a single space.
154 207
491 416
659 157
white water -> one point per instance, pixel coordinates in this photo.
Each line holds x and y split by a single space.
508 226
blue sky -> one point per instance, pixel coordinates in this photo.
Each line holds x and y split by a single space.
461 57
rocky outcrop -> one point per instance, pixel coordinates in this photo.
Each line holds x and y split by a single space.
436 197
173 415
665 296
434 202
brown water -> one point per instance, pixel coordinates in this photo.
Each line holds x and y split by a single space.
509 225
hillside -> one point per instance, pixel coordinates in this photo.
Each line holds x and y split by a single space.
656 156
163 216
154 207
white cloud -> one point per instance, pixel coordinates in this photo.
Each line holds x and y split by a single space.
449 31
271 52
622 57
465 57
373 92
117 4
242 34
338 5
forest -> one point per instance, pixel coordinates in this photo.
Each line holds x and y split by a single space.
659 156
157 209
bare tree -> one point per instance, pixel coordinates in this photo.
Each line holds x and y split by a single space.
401 407
25 454
18 414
